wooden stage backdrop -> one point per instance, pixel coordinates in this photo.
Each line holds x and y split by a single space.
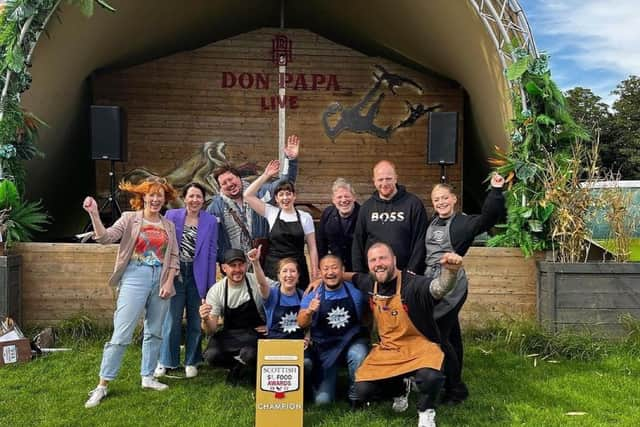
228 91
62 280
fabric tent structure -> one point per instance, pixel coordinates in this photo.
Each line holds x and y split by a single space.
463 40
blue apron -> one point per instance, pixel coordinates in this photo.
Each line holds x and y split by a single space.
284 323
334 326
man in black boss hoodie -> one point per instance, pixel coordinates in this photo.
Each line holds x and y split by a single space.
394 216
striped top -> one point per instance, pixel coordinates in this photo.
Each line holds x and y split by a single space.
188 243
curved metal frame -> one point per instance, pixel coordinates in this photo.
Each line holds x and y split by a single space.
504 21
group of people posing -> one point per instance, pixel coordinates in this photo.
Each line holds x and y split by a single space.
382 266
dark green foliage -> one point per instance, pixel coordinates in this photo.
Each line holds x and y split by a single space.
542 131
625 128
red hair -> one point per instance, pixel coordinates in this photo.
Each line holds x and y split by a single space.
149 185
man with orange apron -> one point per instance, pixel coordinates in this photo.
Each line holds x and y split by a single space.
402 306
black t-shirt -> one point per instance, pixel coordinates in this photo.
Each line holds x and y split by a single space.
415 295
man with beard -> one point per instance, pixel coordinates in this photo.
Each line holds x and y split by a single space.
338 222
394 216
333 311
239 224
237 299
402 305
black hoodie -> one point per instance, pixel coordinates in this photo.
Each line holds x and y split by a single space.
400 222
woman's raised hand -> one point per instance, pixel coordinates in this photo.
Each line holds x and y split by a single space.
272 169
90 205
497 180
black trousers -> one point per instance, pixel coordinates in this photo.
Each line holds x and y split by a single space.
451 344
224 346
429 382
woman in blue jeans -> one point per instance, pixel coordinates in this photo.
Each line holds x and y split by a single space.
146 265
197 234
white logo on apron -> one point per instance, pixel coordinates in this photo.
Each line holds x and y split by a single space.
438 236
289 322
338 318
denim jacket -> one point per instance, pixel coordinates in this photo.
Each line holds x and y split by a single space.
259 225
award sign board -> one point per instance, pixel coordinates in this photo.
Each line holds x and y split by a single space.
280 376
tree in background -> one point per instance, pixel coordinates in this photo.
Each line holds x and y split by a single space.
625 128
593 114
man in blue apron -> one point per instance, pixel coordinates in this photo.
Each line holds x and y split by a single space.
237 300
334 311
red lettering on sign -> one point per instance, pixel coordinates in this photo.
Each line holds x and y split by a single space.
333 82
301 83
228 79
262 81
245 80
317 79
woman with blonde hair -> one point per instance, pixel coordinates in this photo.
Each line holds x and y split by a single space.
146 265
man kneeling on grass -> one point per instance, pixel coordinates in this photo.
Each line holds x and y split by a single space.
333 312
402 305
237 299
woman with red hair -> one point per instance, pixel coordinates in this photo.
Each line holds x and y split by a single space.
146 265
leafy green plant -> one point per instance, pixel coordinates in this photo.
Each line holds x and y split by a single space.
542 132
19 218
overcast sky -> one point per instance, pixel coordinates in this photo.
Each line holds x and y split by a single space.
593 43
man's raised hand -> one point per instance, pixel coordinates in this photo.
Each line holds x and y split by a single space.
292 147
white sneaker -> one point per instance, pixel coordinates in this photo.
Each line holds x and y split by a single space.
150 382
95 396
401 403
190 371
160 371
427 418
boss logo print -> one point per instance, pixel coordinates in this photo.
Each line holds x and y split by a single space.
387 216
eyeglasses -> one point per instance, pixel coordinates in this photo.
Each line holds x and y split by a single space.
156 179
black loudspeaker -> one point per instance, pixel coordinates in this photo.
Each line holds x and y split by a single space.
442 138
108 135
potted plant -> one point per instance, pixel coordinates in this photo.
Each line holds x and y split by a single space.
551 166
583 284
19 219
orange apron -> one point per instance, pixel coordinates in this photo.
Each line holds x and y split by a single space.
402 348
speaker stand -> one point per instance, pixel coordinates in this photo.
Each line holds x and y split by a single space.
110 203
443 172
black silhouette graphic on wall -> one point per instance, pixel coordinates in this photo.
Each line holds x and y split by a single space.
414 112
351 118
394 81
359 119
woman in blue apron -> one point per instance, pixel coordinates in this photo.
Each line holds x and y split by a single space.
281 305
450 231
289 228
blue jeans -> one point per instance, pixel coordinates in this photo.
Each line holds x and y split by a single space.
186 296
355 353
139 291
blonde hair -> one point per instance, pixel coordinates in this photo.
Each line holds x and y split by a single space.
342 183
443 186
149 185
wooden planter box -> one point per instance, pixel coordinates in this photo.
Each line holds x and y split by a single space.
10 284
591 296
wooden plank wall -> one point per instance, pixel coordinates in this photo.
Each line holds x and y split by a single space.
588 296
502 284
61 280
177 103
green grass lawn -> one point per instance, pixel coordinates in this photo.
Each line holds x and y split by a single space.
507 389
634 248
